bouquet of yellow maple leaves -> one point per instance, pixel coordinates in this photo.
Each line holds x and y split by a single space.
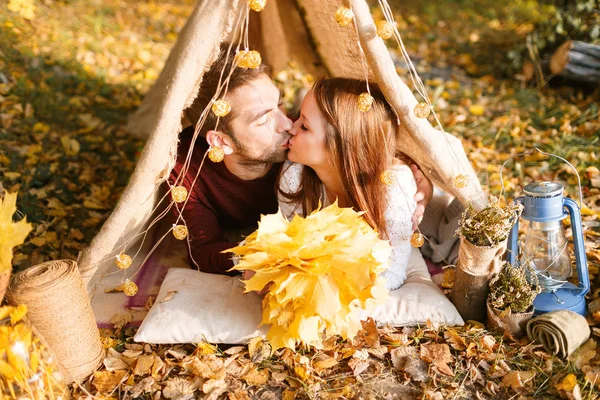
11 234
316 272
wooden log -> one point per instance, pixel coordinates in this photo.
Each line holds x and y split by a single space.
469 295
573 61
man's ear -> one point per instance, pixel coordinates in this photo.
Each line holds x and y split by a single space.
219 139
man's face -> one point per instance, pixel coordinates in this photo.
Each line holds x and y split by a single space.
260 126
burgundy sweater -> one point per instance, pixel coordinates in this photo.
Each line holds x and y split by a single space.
219 201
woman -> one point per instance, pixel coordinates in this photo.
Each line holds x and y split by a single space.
339 152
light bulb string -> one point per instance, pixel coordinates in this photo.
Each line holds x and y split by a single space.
502 190
363 59
433 246
414 76
185 168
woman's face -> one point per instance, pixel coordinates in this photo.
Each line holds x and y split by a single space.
307 144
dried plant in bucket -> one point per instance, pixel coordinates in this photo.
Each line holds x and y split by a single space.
316 272
483 238
512 292
12 234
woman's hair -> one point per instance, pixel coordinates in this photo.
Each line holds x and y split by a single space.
361 145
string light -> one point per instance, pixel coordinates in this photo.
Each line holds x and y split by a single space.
248 59
422 110
461 181
385 29
416 239
344 16
221 108
179 194
180 232
130 288
123 261
387 177
365 101
257 5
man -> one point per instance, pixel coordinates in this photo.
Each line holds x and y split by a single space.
231 195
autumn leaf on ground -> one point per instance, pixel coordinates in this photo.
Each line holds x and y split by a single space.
439 356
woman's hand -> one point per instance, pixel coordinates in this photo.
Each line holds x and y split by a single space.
423 195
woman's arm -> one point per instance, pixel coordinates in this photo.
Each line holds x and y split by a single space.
398 215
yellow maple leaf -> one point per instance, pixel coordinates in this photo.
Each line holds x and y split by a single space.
11 233
317 270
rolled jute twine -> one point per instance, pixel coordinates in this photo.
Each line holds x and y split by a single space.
61 314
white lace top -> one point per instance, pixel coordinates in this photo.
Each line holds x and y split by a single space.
398 214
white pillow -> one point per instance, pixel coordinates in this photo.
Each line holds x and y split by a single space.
417 300
214 308
206 307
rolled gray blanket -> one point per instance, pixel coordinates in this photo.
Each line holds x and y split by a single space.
560 332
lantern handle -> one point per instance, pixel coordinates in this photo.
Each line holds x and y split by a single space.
546 154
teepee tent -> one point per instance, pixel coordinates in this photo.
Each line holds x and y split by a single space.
304 31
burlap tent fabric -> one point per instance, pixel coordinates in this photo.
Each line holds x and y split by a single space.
319 45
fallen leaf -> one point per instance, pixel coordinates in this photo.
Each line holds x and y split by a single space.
114 363
439 356
169 296
259 350
455 340
406 358
107 381
143 364
323 361
584 354
256 377
179 388
567 384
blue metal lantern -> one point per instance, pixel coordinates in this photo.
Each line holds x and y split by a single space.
545 245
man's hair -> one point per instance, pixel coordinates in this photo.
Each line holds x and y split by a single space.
208 87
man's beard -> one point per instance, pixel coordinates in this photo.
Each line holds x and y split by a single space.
278 155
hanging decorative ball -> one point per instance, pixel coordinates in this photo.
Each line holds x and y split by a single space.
130 288
344 16
123 261
387 177
385 29
365 101
422 110
180 232
221 108
248 59
416 239
216 154
461 181
257 5
179 194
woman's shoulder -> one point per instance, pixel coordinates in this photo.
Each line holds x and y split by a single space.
291 174
403 173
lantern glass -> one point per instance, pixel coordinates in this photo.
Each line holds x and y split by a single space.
546 247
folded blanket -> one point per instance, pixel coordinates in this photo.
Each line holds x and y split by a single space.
560 332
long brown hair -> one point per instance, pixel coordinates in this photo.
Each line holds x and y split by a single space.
361 146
